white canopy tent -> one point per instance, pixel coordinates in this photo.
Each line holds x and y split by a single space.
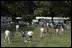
18 18
43 17
55 19
51 18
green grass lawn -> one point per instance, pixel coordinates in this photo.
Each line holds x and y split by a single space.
50 40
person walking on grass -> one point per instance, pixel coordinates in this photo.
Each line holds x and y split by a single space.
7 36
30 34
23 34
42 31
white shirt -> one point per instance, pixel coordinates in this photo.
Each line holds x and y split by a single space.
7 32
30 33
42 29
17 26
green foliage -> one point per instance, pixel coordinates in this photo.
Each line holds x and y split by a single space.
34 8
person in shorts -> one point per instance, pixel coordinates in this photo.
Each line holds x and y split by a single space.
30 34
23 34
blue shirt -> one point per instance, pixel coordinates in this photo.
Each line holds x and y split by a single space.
23 33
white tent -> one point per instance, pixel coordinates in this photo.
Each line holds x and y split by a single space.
43 17
51 18
18 18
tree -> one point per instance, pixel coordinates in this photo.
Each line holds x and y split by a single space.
10 8
31 9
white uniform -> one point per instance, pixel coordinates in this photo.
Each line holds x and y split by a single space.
17 26
41 30
30 33
7 33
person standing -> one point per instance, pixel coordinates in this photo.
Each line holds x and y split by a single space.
17 28
42 32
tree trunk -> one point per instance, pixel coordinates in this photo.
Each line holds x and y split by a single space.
51 14
52 19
